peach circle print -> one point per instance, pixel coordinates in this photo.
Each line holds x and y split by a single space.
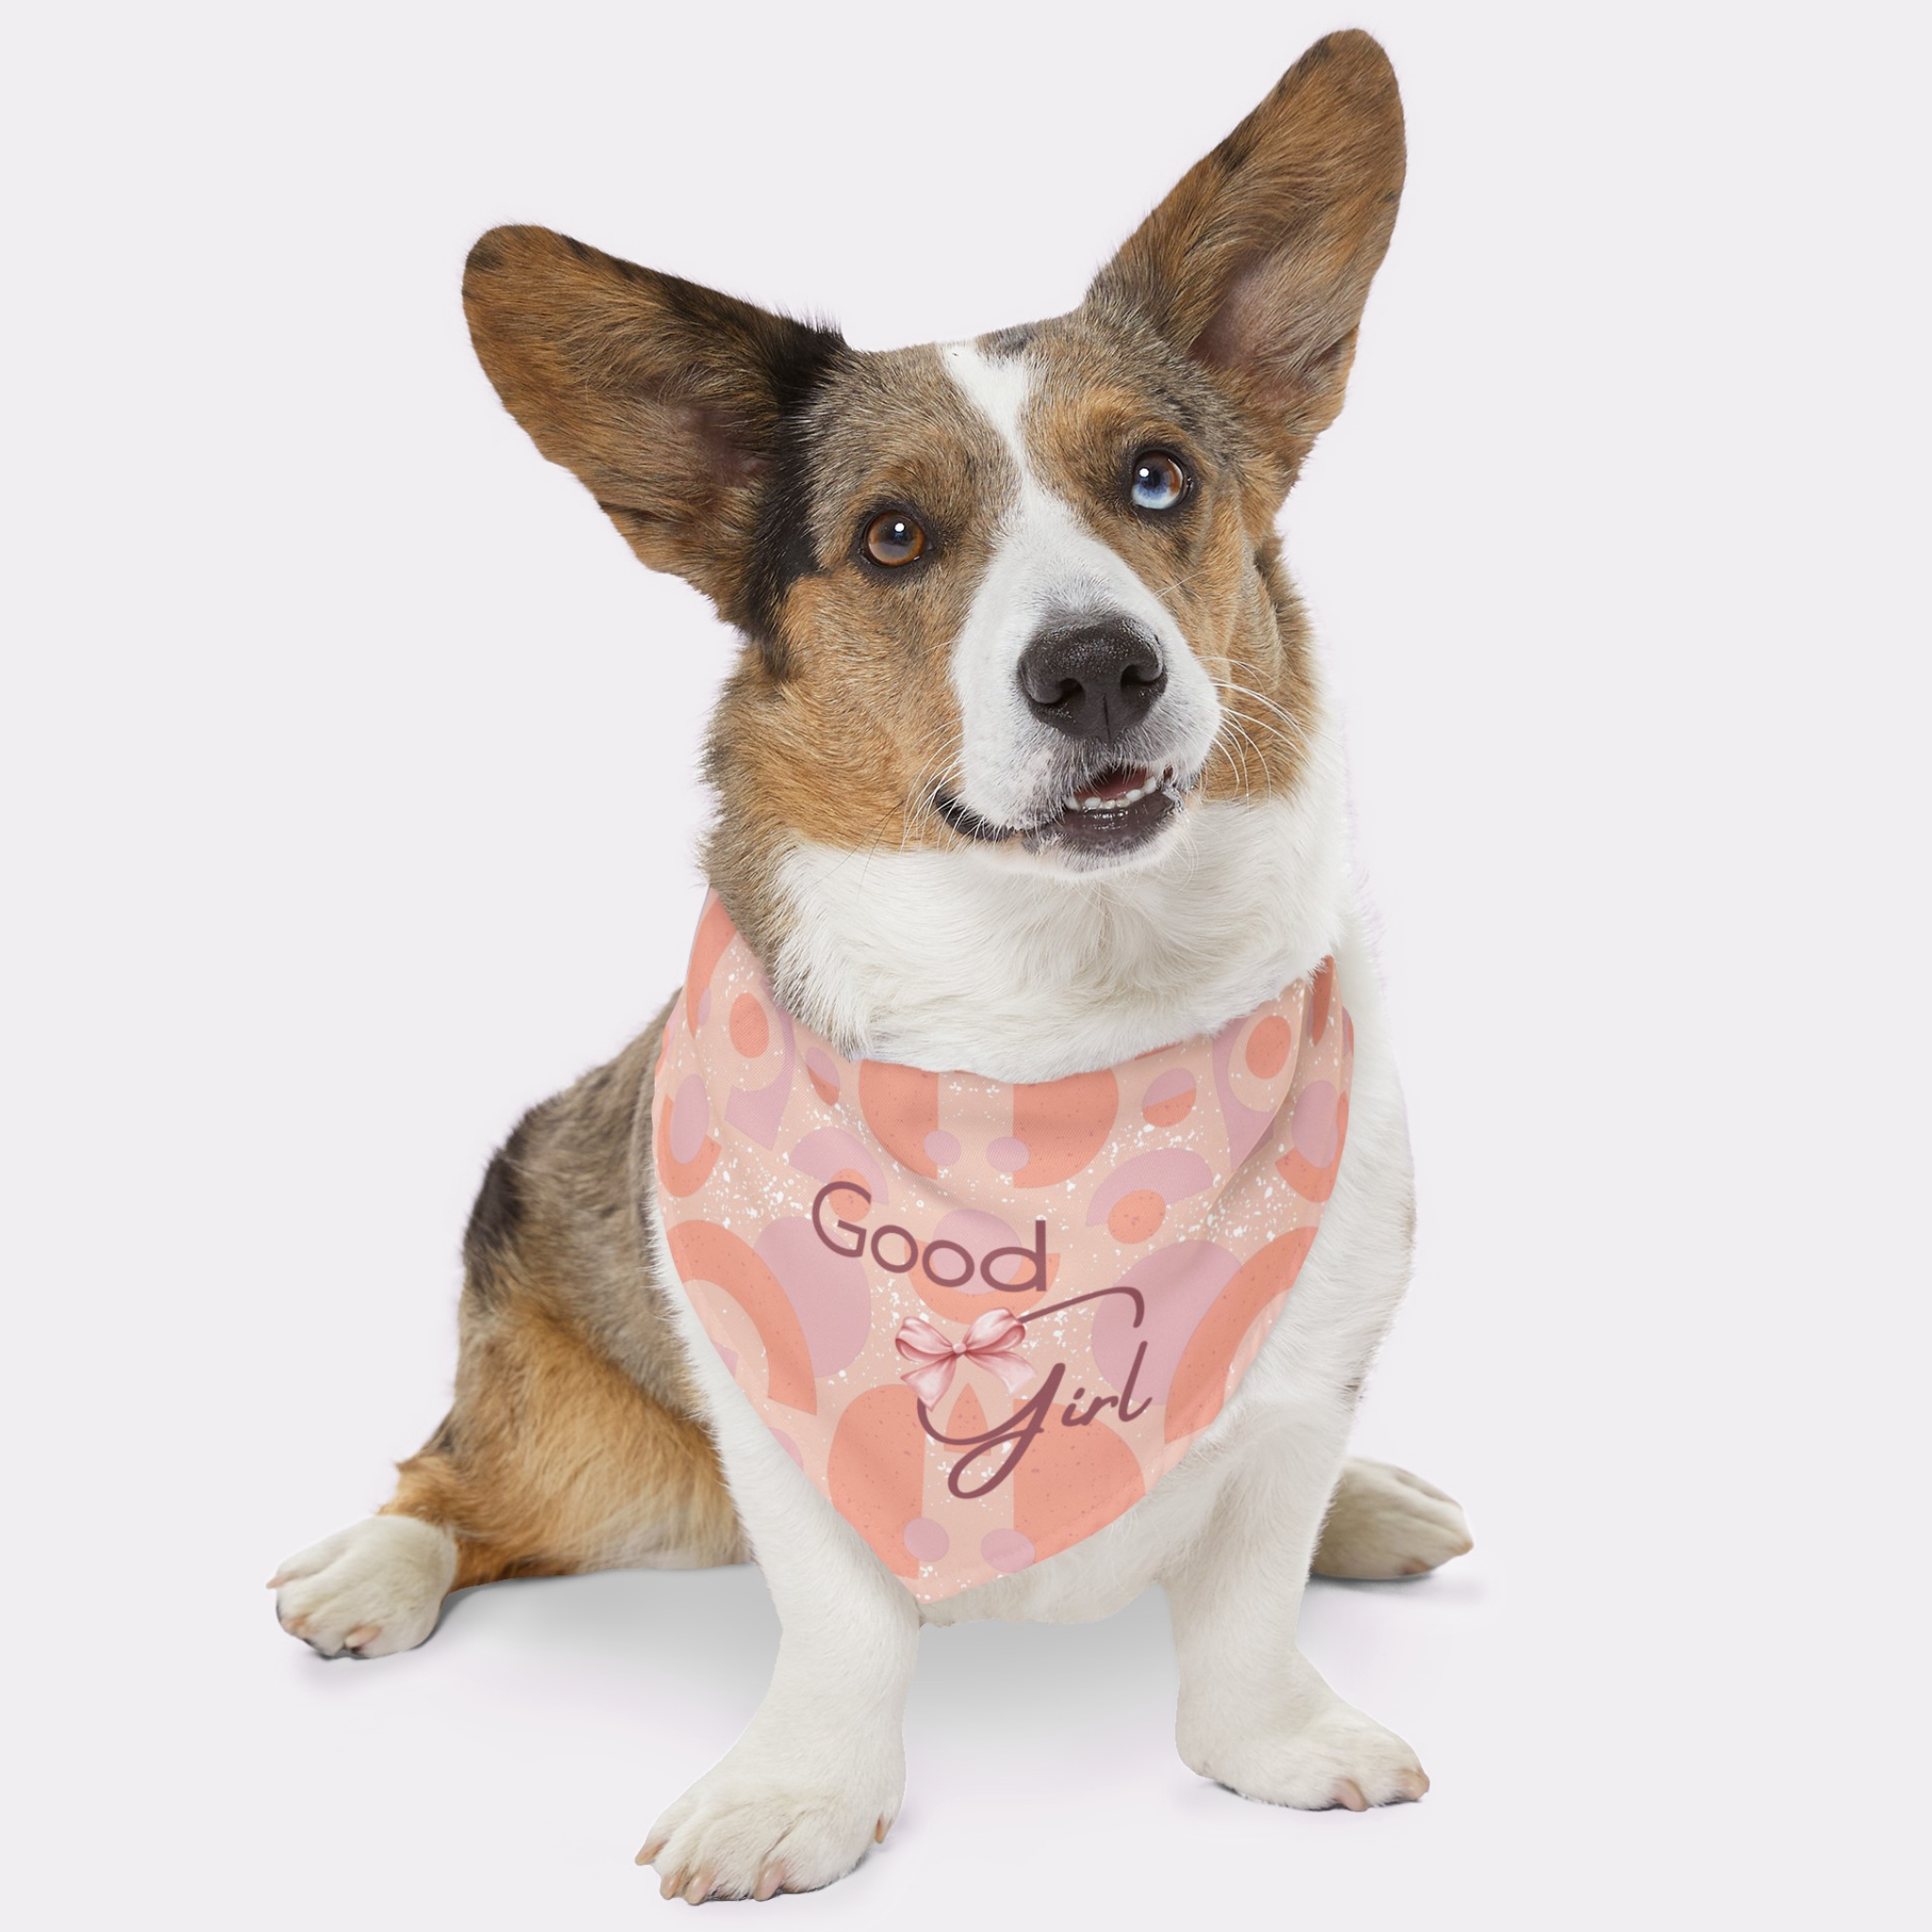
986 1318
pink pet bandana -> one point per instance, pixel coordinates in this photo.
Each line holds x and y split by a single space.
984 1318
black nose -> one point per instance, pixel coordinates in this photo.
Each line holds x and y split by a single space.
1091 680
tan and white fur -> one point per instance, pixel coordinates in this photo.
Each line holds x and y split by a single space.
940 866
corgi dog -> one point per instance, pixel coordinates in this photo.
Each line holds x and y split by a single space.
1025 768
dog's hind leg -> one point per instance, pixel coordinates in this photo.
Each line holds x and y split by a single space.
1382 1522
552 1461
571 1444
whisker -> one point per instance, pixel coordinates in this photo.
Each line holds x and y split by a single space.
1290 726
924 797
1229 720
1280 724
1189 578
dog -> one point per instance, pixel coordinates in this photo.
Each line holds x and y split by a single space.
1025 768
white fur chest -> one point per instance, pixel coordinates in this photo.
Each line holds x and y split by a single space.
955 959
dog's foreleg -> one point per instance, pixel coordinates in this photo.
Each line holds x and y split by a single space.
818 1774
1255 1714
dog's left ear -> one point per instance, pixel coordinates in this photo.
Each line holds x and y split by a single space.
1258 263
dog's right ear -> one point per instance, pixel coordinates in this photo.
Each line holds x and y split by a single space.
666 399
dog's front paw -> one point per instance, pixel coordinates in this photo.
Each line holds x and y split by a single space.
751 1827
1385 1522
371 1589
1338 1757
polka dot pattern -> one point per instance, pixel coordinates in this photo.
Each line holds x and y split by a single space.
926 1540
751 1032
1007 1549
1269 1046
1169 1098
1136 1217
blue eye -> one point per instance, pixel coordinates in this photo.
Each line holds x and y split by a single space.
1158 482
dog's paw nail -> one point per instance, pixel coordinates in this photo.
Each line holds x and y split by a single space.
880 1829
699 1890
361 1634
1349 1793
652 1847
769 1879
1412 1784
673 1885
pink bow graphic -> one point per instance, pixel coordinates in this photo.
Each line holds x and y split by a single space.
990 1343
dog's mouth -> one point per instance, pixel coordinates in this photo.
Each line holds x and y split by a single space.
1108 814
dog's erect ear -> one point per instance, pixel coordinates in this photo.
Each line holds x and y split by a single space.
668 400
1258 262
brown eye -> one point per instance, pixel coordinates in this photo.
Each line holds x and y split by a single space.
893 539
1156 480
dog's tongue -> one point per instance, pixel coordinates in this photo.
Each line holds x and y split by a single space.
1114 783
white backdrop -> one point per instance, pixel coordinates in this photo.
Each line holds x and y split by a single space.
349 768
